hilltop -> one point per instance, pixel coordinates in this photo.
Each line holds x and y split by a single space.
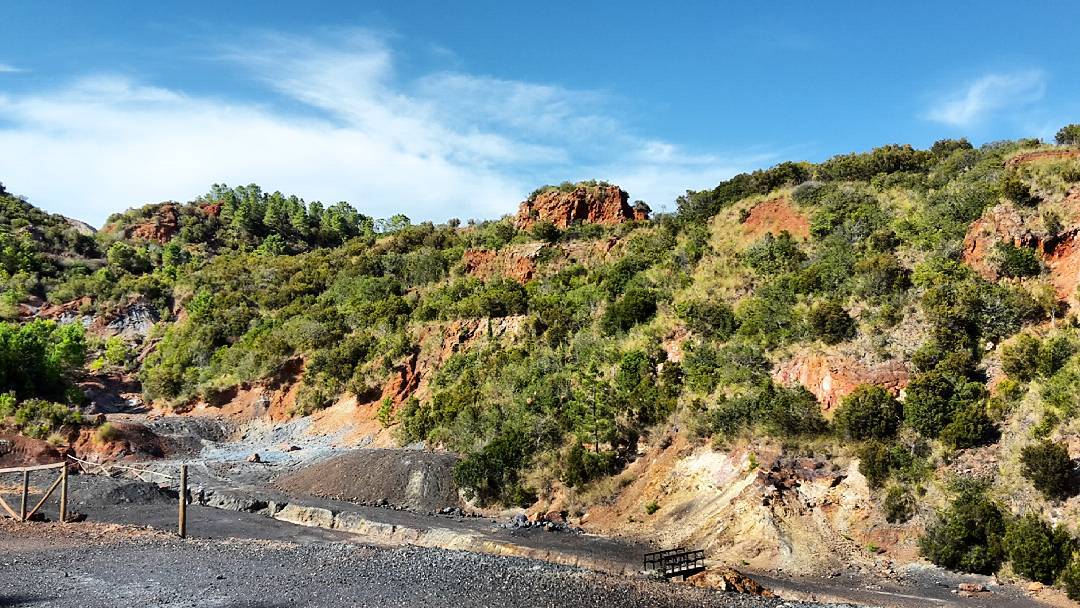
858 361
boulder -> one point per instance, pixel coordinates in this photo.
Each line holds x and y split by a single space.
729 579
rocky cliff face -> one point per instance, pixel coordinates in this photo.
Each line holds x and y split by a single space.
592 204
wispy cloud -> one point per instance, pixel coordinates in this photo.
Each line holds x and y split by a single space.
7 68
980 99
444 144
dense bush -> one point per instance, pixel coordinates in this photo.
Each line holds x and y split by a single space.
493 473
1016 261
870 412
934 397
580 466
970 427
1020 357
709 318
1036 550
1048 467
635 306
774 255
1070 579
968 535
830 323
778 411
36 417
1014 189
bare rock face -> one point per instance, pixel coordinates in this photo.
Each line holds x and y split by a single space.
831 378
517 262
160 228
592 204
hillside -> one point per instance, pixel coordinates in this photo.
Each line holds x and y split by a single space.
799 365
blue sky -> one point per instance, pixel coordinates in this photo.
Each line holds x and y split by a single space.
459 109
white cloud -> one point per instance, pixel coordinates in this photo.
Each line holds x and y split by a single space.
438 146
7 68
981 98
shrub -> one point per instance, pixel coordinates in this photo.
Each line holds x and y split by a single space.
774 255
710 318
875 462
545 231
967 535
1020 357
107 433
830 322
1053 354
1016 261
492 473
635 306
1070 579
1036 550
581 466
1048 467
1069 134
934 397
899 505
1014 189
651 507
870 412
970 427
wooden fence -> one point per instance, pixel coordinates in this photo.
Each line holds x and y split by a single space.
61 481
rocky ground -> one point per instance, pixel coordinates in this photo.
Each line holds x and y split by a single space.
88 565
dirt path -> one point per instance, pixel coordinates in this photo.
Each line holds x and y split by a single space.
93 565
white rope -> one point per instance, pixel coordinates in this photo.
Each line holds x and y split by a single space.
107 466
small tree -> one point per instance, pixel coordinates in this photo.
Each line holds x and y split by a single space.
1036 550
545 231
869 412
1069 134
829 321
1070 579
1048 467
968 535
1014 189
1020 357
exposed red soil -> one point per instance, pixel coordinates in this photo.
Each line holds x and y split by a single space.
1064 263
594 205
1028 157
775 216
129 441
831 378
19 451
55 311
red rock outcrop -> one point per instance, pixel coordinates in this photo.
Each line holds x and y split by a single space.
516 262
775 216
592 204
831 378
160 228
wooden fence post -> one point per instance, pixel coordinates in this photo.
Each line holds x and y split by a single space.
183 502
25 494
63 493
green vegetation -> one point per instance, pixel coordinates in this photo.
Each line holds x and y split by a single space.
1036 550
969 535
1048 467
870 412
1068 135
617 331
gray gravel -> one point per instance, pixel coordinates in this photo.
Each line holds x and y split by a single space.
155 570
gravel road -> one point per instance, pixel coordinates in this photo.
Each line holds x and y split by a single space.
90 565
